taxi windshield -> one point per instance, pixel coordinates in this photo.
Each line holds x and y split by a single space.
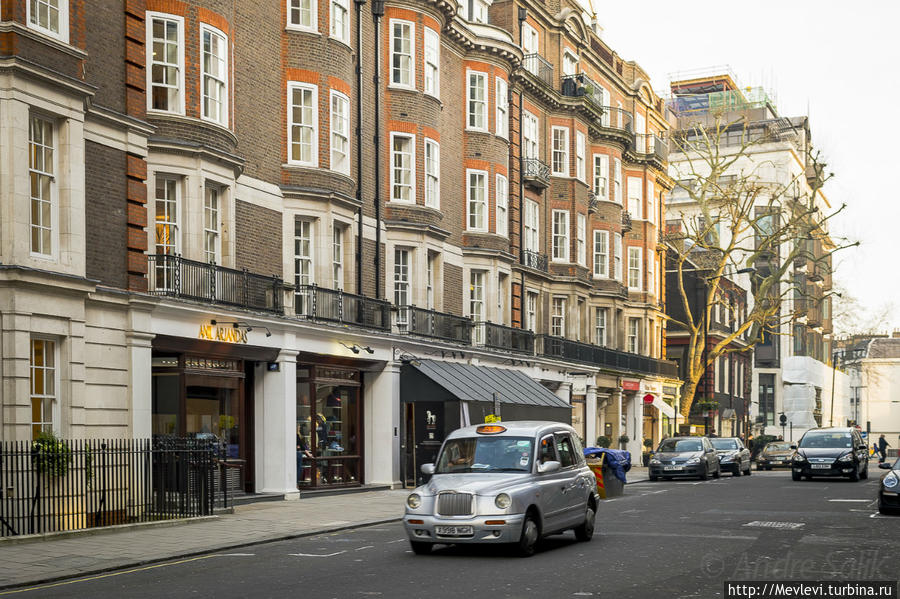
485 454
816 440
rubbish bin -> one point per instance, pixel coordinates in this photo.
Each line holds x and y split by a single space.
609 466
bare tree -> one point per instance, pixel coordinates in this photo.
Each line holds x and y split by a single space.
744 212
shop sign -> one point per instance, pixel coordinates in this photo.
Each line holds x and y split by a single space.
667 390
631 385
226 334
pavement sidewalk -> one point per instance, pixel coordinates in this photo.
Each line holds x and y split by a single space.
42 560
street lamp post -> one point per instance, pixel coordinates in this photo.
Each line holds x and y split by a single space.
834 359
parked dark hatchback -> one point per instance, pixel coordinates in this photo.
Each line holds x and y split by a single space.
685 456
831 452
889 489
777 454
733 456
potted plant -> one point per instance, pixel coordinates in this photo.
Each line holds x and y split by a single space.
50 455
604 441
623 440
648 451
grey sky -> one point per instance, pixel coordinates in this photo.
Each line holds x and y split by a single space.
835 61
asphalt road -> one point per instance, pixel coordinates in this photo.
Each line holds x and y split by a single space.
663 539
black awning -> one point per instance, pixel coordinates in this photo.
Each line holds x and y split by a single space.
479 383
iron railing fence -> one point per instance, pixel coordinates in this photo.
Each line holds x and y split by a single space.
175 276
52 485
321 303
498 336
566 349
431 323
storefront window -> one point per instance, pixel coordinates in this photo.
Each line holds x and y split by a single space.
213 414
166 393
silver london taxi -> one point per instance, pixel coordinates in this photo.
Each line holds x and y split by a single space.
507 482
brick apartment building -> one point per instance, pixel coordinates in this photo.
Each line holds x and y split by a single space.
326 224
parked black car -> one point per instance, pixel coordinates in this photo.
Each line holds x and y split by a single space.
733 456
685 456
777 454
834 451
889 489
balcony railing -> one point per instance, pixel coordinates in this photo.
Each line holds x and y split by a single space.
534 260
437 325
626 221
538 66
174 276
536 171
651 145
566 349
497 336
582 86
616 118
319 303
593 202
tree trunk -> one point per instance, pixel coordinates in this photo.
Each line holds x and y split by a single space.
687 396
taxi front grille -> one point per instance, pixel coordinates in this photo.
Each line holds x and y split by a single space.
454 504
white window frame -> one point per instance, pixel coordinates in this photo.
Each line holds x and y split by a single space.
529 35
429 281
480 11
501 99
636 198
473 103
651 281
337 256
180 100
558 316
635 268
212 210
532 228
580 167
560 151
617 181
530 135
312 7
617 256
50 373
403 258
411 158
531 298
46 206
476 295
206 29
432 174
304 232
473 203
634 336
432 63
651 202
560 245
601 253
570 63
501 205
607 100
313 126
62 9
601 326
601 176
396 75
340 134
580 239
334 8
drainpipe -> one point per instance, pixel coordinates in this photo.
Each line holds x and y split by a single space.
377 13
359 145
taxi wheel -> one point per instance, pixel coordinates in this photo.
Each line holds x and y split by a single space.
528 540
420 548
865 472
795 475
586 530
854 476
718 472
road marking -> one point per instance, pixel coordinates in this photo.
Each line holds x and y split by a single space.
237 554
316 554
851 500
670 534
366 547
778 525
397 541
101 576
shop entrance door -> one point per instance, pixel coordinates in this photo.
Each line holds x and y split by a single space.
427 426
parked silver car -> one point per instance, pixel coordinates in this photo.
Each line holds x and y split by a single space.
510 482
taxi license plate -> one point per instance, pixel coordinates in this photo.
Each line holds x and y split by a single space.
673 468
453 531
822 466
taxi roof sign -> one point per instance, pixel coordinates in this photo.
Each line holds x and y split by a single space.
490 429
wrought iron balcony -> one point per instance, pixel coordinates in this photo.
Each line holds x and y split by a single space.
534 260
538 66
626 221
566 349
582 86
536 172
320 303
593 202
649 146
175 276
437 325
616 118
497 336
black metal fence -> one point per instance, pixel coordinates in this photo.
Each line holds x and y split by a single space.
497 336
321 303
430 323
176 276
566 349
53 485
533 259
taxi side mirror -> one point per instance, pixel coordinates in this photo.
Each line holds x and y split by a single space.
549 466
427 468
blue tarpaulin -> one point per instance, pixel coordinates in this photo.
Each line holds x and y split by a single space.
618 460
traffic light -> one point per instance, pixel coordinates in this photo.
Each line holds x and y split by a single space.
782 419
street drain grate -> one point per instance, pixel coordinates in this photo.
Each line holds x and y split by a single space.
777 525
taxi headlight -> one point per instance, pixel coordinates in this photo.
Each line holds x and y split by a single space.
890 481
502 501
414 501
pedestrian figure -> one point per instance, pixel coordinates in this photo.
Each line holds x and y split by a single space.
882 448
